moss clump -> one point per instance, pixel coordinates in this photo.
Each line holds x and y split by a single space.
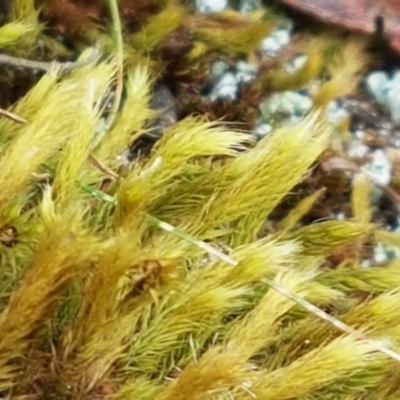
167 277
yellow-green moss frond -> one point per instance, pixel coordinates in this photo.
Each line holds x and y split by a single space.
257 328
344 72
237 187
157 28
106 317
372 280
188 140
23 9
321 296
130 121
374 315
94 82
196 137
38 140
263 177
12 33
322 238
341 357
284 77
389 239
43 135
214 373
64 249
260 259
140 388
193 311
90 363
212 292
388 388
29 105
18 237
229 31
300 210
99 297
246 337
377 315
361 198
102 301
25 12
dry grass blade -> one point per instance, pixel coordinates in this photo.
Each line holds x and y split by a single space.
13 117
23 63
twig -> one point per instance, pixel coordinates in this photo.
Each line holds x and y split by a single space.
23 63
103 167
163 225
188 238
12 116
46 176
332 320
341 164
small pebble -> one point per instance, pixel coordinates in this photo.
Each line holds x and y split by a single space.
380 255
386 91
211 6
274 43
340 216
380 168
218 69
245 72
296 63
261 130
248 6
378 85
336 113
357 149
394 98
291 104
226 88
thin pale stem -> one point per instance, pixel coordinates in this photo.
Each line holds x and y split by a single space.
23 63
119 47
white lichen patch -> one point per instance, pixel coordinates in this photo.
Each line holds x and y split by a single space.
386 90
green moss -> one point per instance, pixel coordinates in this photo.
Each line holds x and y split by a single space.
163 279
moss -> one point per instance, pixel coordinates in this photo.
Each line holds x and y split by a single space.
170 277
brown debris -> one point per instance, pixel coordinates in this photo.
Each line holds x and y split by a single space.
75 16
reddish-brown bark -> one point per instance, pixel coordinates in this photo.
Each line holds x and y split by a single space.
363 16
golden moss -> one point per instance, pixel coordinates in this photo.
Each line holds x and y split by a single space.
164 278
